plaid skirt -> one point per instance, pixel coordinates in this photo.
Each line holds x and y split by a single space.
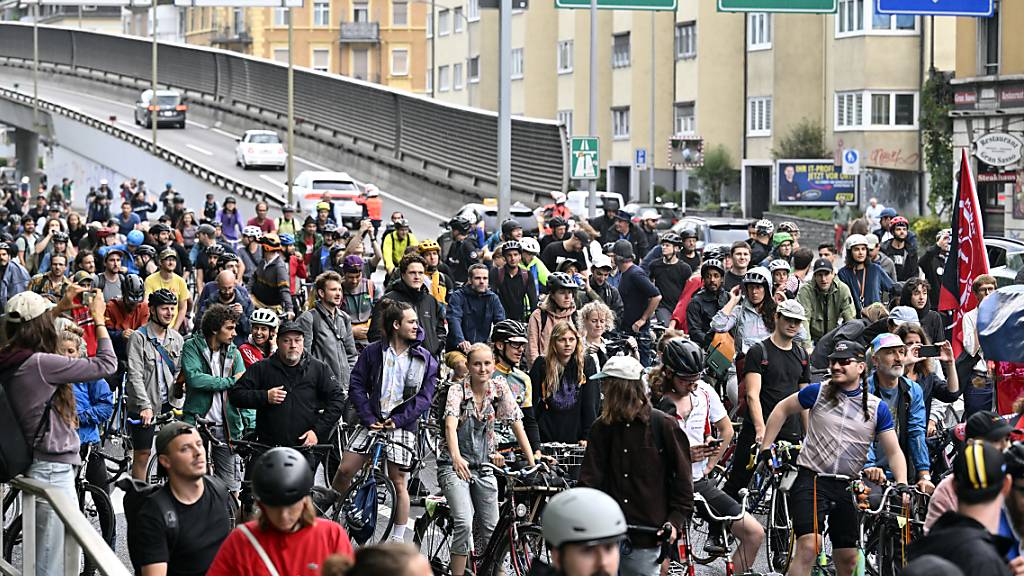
360 444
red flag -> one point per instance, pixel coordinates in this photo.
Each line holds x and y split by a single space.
967 247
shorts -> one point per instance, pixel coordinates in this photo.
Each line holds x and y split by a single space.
401 457
720 503
834 501
142 436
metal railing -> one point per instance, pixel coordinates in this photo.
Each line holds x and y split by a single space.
79 534
359 32
451 146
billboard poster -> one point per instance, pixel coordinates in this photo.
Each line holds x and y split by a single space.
813 183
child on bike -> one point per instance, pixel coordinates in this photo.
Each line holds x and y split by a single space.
468 442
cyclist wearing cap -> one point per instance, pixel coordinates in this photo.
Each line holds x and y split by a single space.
165 239
287 223
324 216
154 357
359 296
827 300
514 284
395 244
165 278
899 249
844 419
110 279
865 279
13 276
583 529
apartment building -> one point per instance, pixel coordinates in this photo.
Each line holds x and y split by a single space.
988 116
380 41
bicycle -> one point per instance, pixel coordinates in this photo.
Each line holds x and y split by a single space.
701 526
517 539
249 451
568 456
770 489
886 530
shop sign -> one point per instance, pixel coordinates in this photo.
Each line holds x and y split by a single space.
998 148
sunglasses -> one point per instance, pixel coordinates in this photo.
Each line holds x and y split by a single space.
842 361
517 345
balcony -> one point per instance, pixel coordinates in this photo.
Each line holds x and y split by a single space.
230 36
359 33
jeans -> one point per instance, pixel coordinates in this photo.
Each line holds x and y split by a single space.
227 465
639 562
49 529
471 503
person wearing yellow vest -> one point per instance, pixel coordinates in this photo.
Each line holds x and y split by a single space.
396 243
287 224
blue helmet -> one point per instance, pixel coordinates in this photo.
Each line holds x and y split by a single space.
287 239
135 238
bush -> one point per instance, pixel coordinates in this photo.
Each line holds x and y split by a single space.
926 227
823 213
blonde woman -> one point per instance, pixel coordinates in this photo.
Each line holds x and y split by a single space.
596 320
565 404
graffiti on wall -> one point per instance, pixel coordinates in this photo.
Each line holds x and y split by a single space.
895 158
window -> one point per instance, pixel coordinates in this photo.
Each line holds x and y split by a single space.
399 62
473 70
759 116
444 23
517 63
988 44
685 118
281 16
876 110
457 19
430 26
880 109
565 117
360 12
321 13
442 79
429 86
399 13
686 40
759 31
850 17
321 60
473 10
858 17
620 50
457 76
620 123
281 54
565 56
849 109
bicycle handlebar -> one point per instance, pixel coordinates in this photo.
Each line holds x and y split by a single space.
514 474
899 490
744 496
159 420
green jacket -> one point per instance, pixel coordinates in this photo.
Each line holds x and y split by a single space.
826 309
200 386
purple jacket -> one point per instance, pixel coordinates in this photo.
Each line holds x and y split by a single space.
364 387
231 225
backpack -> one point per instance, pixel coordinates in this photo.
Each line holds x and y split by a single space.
741 362
15 449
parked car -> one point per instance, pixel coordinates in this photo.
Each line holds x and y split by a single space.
668 213
260 148
578 201
714 232
337 188
489 213
167 106
1005 258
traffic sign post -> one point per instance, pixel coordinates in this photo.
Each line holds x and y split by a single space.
978 8
851 162
819 6
640 158
584 158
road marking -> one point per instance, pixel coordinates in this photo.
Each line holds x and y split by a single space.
197 124
198 149
223 133
97 98
131 125
277 183
312 164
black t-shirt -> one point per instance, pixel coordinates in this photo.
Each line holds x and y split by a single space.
202 527
555 254
782 372
692 261
636 289
670 280
731 280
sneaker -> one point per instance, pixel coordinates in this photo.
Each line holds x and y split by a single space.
715 545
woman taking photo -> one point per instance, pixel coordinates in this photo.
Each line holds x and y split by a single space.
39 387
564 403
598 320
473 407
928 373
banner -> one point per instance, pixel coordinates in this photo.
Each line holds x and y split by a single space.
813 183
967 247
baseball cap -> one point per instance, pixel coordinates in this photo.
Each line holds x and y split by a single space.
323 206
623 249
886 340
901 315
987 425
353 263
82 276
168 253
113 250
847 349
979 471
623 215
26 306
289 326
601 260
207 229
623 367
168 432
793 310
822 264
872 240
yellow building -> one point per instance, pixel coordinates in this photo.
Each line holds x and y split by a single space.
988 116
381 41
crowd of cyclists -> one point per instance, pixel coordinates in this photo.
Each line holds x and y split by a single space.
248 353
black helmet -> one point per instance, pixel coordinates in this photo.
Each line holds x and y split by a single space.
714 253
688 233
511 245
133 289
460 224
227 257
683 357
7 247
672 238
161 297
330 228
281 477
557 221
508 330
510 225
146 250
215 250
712 264
158 228
60 237
560 281
1014 458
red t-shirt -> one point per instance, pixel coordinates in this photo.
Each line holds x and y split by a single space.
267 225
297 554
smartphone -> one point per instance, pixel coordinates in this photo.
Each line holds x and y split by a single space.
714 443
87 297
928 351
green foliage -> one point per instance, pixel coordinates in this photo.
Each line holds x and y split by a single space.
805 140
937 129
823 213
926 228
716 173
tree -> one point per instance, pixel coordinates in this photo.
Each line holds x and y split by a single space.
937 128
805 140
716 172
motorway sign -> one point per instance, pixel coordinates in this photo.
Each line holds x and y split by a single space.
983 8
851 162
822 6
619 4
584 158
640 158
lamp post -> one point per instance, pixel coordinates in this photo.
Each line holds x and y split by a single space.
291 107
153 108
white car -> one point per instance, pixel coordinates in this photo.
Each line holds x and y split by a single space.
260 148
336 188
579 200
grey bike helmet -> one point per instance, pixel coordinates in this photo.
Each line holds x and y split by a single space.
582 516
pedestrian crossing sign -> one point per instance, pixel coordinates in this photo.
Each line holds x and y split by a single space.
583 158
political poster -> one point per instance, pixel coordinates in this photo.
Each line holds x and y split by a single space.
813 183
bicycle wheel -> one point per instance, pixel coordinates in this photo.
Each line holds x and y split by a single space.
698 536
517 550
433 536
385 507
12 539
779 534
152 470
880 551
96 507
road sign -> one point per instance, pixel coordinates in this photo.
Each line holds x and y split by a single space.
583 158
983 8
640 158
821 6
851 162
619 4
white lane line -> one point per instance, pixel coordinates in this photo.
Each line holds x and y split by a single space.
197 124
223 133
198 149
97 98
277 183
312 164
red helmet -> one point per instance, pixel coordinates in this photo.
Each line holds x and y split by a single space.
899 221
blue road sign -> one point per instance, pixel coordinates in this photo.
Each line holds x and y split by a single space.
851 156
982 8
640 158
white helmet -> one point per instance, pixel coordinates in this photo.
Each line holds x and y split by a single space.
855 240
24 179
372 191
530 245
264 317
253 231
582 516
